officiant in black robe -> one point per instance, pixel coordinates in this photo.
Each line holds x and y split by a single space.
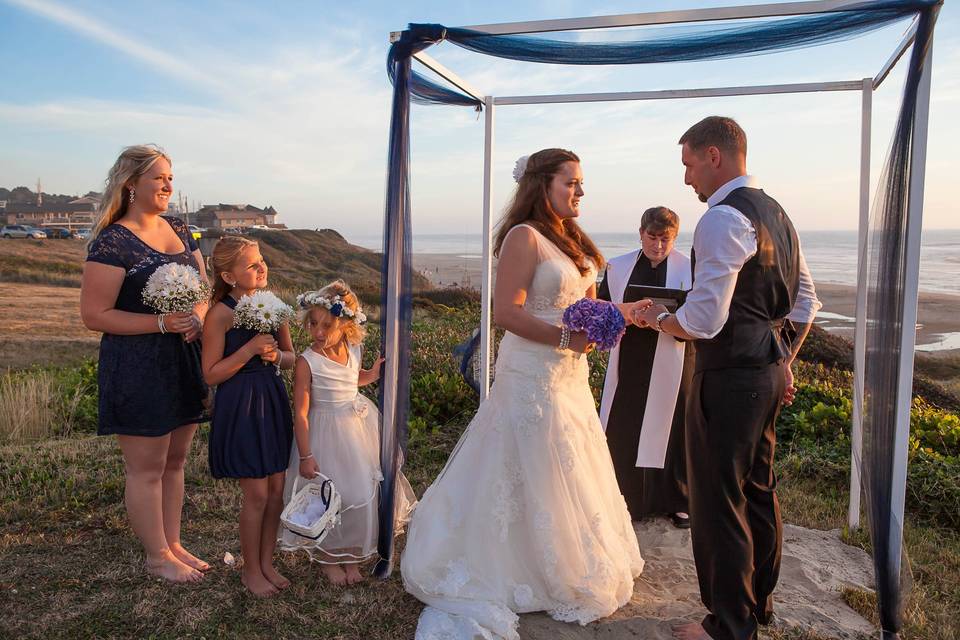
648 489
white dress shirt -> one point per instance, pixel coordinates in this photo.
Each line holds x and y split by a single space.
723 242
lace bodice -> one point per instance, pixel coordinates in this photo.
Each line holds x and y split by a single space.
331 381
557 283
117 246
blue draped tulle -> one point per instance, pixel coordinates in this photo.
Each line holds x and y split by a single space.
709 41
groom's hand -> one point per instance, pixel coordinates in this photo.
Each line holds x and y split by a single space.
790 391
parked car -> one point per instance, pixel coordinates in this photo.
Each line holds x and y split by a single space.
22 231
58 232
261 227
195 231
82 234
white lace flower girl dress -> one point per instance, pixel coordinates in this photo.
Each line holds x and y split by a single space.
345 440
527 515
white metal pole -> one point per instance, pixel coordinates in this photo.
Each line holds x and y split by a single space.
860 328
908 330
486 268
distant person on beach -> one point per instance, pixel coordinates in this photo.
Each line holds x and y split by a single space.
151 388
527 515
251 430
750 284
337 434
648 376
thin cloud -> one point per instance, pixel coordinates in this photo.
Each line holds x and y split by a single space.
99 32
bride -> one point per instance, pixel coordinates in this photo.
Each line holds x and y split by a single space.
526 515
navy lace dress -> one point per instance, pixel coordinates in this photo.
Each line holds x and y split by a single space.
252 427
152 383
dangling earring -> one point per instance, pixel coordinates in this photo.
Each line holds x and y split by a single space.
132 195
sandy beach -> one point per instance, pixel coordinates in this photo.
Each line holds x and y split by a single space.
938 318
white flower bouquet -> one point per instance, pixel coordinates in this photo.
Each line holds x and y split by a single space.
174 288
262 312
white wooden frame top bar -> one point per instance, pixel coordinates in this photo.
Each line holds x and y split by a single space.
866 86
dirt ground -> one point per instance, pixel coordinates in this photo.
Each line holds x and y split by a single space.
40 324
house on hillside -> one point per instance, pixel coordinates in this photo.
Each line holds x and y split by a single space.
73 215
235 216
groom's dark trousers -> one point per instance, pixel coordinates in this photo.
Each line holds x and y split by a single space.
732 410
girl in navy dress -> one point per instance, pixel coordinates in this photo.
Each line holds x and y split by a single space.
151 389
252 426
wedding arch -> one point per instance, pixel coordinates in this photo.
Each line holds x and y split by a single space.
888 243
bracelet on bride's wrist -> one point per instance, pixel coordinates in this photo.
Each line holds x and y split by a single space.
564 338
306 457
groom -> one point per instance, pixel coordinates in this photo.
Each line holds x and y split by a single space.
750 281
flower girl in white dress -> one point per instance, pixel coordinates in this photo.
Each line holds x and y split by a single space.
337 433
527 515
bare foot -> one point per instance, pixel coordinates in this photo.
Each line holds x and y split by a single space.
353 573
188 558
691 631
335 574
275 577
257 584
169 567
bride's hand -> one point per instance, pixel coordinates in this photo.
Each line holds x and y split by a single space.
579 342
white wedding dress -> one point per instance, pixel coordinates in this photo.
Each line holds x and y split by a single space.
526 515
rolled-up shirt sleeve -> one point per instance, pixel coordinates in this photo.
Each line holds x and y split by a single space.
723 242
807 304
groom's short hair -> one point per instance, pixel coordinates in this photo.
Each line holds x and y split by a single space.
716 131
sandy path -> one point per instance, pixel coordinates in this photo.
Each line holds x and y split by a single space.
816 565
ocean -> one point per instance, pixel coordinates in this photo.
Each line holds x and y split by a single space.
831 255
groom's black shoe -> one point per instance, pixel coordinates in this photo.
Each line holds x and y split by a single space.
680 521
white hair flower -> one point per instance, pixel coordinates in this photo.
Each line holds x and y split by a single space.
520 167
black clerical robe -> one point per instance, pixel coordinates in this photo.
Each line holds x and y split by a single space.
647 491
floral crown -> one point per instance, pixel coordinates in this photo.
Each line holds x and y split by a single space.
336 305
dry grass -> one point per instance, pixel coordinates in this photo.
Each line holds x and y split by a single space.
26 412
35 406
40 325
51 262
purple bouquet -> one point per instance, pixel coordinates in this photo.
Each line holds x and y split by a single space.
602 321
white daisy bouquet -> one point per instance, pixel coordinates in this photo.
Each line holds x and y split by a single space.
262 311
174 288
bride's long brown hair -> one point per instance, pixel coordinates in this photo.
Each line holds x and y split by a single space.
531 205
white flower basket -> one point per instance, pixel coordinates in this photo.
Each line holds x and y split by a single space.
324 491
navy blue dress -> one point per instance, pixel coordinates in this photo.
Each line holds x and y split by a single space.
252 428
149 384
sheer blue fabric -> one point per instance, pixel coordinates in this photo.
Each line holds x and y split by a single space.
396 310
713 41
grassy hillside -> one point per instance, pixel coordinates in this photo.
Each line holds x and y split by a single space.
301 259
298 259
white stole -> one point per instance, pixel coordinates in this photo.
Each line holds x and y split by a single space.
667 363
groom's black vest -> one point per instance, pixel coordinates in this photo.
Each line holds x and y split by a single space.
756 332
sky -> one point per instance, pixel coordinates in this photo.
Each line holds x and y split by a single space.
288 103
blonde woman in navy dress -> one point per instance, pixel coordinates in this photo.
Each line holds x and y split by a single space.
152 393
251 431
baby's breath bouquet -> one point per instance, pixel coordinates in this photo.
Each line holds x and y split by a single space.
174 288
262 312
